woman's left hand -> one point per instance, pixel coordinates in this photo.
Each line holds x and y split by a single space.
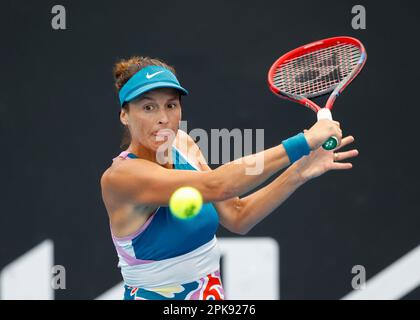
320 161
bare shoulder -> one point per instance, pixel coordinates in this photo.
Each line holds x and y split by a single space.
109 197
125 215
111 172
105 177
124 175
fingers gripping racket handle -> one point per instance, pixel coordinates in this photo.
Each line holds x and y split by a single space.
332 141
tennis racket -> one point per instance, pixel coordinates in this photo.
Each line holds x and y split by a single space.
316 69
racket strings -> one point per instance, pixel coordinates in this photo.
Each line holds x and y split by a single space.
317 72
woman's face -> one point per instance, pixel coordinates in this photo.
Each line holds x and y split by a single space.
153 118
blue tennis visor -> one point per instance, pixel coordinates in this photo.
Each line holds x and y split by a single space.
146 79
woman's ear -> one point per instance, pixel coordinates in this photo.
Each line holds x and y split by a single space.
124 117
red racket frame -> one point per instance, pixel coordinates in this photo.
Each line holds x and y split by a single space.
310 48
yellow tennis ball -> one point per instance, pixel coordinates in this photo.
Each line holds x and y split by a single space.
185 202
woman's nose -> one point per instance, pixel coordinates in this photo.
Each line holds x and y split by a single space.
163 117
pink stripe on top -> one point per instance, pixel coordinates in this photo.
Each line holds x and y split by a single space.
123 155
130 260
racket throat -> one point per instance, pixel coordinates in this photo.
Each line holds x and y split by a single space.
324 113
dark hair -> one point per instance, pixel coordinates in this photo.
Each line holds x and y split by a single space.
123 70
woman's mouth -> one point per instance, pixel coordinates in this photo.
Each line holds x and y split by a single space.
164 133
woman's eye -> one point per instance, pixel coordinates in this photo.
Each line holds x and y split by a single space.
148 108
172 105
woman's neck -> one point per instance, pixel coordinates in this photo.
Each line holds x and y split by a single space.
164 158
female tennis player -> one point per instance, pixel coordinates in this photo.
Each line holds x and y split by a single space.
161 256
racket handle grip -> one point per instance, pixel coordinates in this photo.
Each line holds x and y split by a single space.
332 142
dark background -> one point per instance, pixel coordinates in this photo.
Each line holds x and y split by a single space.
59 127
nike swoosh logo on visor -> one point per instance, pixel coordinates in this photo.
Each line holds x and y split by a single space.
149 76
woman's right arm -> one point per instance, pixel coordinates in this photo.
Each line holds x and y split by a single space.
142 181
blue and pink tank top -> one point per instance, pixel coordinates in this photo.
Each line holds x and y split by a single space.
168 251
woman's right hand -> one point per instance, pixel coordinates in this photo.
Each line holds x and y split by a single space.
321 131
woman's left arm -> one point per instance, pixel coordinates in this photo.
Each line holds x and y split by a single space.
239 215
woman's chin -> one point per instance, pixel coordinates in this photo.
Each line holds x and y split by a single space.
162 142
